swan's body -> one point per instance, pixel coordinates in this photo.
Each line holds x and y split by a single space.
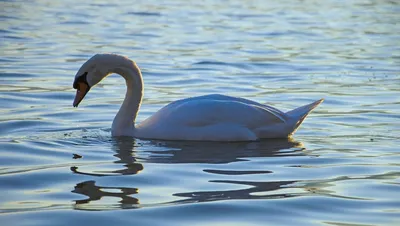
211 117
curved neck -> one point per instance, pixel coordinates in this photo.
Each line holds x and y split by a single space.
124 121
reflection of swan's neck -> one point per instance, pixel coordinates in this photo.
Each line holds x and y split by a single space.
124 121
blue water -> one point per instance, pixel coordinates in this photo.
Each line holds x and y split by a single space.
59 165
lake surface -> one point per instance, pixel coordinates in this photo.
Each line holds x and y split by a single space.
59 165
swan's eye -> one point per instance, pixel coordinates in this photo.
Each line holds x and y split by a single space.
81 78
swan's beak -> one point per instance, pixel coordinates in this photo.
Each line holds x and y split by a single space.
81 91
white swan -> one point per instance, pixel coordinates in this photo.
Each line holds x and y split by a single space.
203 118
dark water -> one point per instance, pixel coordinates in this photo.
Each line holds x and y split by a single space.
60 166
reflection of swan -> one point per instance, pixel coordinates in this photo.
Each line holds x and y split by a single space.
193 152
247 193
210 117
187 152
211 152
94 193
123 147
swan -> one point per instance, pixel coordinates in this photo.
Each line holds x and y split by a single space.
212 117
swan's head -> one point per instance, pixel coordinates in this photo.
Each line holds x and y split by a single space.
93 71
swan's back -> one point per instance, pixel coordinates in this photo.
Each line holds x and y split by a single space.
212 109
221 97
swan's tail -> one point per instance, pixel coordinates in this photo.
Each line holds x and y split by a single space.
298 115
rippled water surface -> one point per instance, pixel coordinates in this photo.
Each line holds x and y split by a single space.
59 165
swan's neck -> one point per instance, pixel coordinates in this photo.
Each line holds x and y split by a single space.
124 121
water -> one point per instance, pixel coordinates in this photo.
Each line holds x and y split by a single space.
60 166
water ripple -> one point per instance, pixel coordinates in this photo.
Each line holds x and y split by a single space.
341 168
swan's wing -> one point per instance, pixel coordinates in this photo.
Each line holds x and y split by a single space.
218 97
196 112
277 113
